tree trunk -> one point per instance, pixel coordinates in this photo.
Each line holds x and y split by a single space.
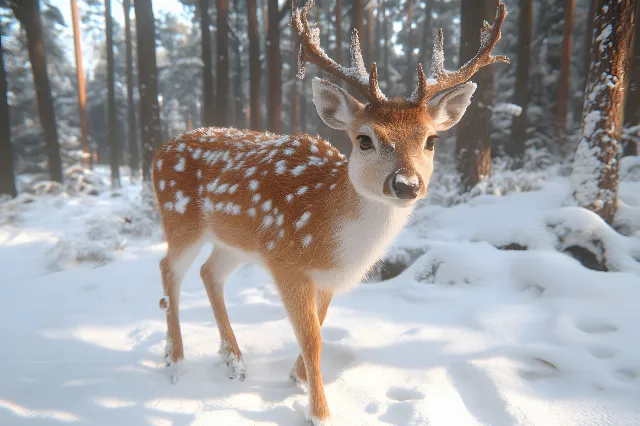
114 146
338 29
239 120
596 167
385 47
427 34
295 92
410 72
519 124
82 94
357 21
223 107
28 13
369 42
632 104
254 66
147 85
564 84
473 137
134 155
7 173
274 69
208 108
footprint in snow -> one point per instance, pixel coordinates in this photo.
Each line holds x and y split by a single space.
601 351
595 326
627 374
404 394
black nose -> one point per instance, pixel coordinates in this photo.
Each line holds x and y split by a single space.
406 188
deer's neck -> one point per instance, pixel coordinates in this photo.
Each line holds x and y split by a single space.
364 229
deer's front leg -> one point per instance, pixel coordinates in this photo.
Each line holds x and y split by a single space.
298 296
323 298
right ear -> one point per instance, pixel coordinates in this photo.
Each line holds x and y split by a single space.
335 106
448 106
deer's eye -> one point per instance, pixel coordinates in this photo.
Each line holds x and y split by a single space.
431 141
365 142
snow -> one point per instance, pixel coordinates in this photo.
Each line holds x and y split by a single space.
470 333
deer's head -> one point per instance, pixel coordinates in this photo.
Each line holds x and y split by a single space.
393 139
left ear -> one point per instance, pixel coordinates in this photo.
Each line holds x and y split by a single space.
448 106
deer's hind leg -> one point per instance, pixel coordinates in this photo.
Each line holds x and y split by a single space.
181 252
215 271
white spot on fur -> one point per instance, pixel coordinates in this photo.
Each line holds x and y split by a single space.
172 183
222 188
289 198
233 188
281 167
207 205
256 198
251 212
302 190
253 185
181 202
306 240
270 245
250 171
266 206
296 171
289 151
303 220
161 185
199 174
159 164
333 186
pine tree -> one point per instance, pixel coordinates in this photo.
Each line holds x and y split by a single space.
28 13
82 94
114 146
473 136
254 66
132 139
565 69
147 84
519 125
274 68
208 111
596 168
7 173
223 107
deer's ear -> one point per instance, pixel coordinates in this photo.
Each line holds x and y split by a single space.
448 106
336 107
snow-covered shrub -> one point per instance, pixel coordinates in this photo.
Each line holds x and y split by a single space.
630 168
66 254
11 208
47 187
576 227
78 179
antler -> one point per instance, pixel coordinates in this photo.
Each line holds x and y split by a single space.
311 52
440 79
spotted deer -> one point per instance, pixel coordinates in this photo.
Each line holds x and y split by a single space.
295 205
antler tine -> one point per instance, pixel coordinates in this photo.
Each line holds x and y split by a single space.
441 79
310 52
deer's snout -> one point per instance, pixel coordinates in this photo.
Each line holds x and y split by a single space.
405 186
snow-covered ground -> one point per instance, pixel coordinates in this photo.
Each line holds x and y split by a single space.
473 332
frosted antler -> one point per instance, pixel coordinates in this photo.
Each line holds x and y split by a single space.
310 52
440 79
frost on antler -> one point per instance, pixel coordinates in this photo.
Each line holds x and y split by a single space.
440 79
357 62
310 52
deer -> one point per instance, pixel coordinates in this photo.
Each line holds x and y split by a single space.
295 205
